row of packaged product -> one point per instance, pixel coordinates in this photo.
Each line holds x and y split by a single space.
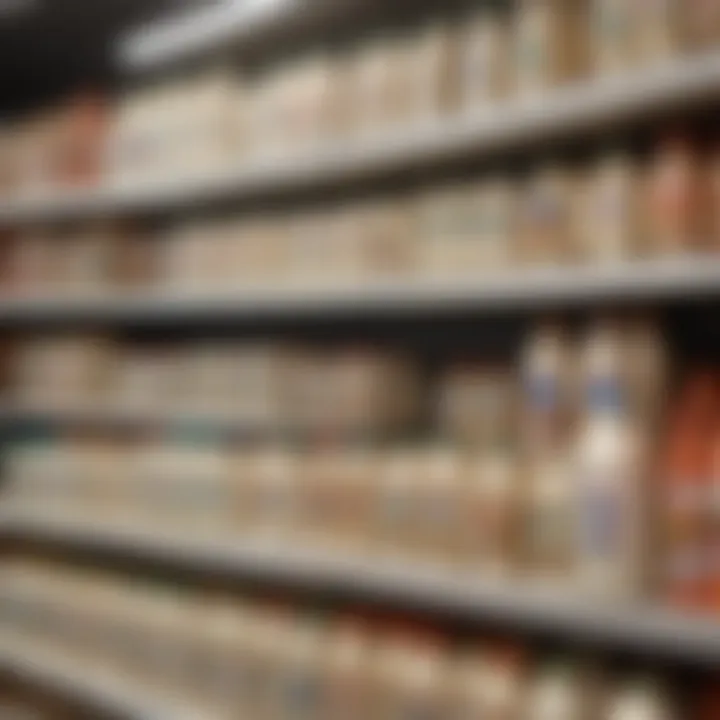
616 364
576 466
600 514
270 660
197 124
617 211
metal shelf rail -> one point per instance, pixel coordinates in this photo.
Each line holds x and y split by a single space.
529 288
649 631
559 115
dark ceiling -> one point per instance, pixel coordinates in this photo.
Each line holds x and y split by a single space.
50 47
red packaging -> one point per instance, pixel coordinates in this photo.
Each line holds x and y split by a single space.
81 140
675 209
685 517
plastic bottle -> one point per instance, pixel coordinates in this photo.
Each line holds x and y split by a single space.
489 683
610 467
347 670
640 700
413 677
548 378
556 693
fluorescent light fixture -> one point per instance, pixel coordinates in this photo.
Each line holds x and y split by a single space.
192 32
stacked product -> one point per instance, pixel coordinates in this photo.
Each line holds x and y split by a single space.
549 474
270 659
205 123
618 210
268 387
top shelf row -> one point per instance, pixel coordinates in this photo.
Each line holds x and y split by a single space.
252 22
565 112
396 104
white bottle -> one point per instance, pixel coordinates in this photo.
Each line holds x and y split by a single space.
609 471
604 370
556 694
547 379
640 700
609 517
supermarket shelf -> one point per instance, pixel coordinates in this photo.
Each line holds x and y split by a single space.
555 115
87 684
226 24
209 425
648 631
540 288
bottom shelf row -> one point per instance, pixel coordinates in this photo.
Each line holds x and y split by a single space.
95 691
267 658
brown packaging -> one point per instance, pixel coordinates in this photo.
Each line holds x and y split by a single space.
489 682
347 668
477 405
389 238
489 515
413 677
546 232
608 226
675 207
467 229
700 24
435 500
549 44
613 26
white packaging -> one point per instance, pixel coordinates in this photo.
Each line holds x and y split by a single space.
485 60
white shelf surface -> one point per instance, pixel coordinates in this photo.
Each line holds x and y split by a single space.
651 631
89 684
522 288
555 115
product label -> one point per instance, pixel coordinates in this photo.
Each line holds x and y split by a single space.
601 522
542 393
605 393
